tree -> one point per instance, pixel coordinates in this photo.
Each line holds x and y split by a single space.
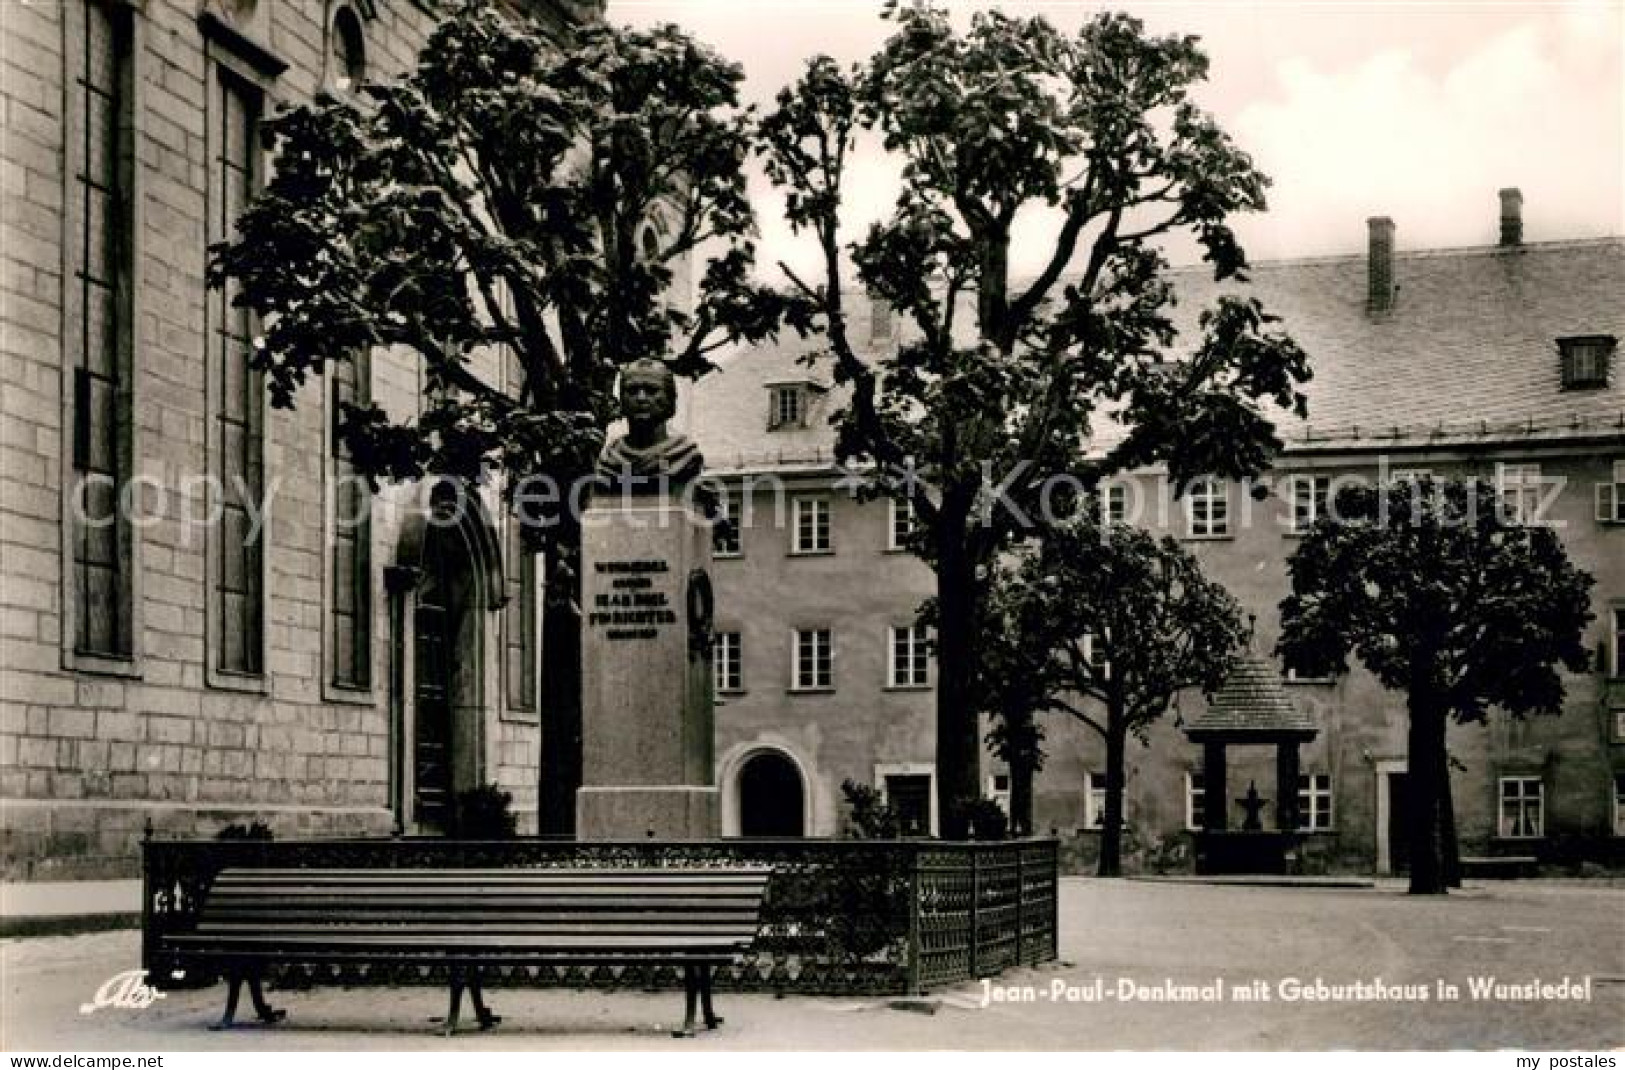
508 195
1443 596
995 390
1115 624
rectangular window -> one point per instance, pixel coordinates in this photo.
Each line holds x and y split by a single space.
1207 509
998 789
1094 654
351 623
1523 807
810 533
1114 503
1195 801
1520 489
1315 802
728 662
901 524
1409 475
1308 501
99 334
729 541
238 433
1585 360
1611 497
909 797
1094 800
812 660
1619 804
1616 642
787 410
880 321
520 648
908 658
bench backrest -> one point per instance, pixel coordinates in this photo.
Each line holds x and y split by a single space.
503 909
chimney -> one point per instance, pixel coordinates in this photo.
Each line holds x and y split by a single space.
1380 290
1511 218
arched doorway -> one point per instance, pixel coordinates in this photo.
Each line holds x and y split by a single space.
437 618
451 578
771 797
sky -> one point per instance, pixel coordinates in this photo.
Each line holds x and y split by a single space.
1419 111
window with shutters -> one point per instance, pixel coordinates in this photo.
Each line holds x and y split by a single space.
99 329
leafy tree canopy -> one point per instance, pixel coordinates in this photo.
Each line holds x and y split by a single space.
1113 614
508 194
999 383
1436 591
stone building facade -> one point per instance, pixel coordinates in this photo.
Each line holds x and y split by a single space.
347 672
1497 361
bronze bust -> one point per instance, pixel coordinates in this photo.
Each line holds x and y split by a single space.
648 457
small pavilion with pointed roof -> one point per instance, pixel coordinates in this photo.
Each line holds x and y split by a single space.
1250 709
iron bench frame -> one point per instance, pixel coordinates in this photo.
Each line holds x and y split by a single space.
240 966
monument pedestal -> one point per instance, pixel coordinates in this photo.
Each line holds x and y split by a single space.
647 731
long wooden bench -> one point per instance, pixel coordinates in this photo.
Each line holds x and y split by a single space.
468 919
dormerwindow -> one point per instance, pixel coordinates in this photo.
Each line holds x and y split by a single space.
788 409
1585 360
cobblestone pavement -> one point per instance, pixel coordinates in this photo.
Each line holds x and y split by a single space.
1147 933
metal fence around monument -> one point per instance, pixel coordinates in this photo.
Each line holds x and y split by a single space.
840 917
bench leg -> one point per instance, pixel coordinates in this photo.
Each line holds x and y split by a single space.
483 1014
267 1013
456 1009
711 1019
691 992
234 988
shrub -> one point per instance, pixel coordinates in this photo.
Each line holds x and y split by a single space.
868 817
257 830
483 813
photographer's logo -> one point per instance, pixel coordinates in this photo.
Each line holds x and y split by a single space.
128 991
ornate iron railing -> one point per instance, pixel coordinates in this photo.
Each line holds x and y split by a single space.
839 917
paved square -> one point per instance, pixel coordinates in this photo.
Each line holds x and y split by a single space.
1148 933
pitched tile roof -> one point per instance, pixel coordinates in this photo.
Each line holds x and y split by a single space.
1467 353
1253 703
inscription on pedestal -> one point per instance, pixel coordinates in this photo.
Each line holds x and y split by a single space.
633 607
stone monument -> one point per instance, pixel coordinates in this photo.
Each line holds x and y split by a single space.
647 735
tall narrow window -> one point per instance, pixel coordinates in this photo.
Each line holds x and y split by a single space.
908 657
728 541
1195 801
728 662
100 320
238 432
1523 807
1520 487
351 603
811 531
812 660
1114 503
1094 800
1309 495
1207 509
901 528
519 624
1314 802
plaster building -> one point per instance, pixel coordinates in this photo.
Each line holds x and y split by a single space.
1498 361
345 673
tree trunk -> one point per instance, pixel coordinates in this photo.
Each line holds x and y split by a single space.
1449 845
959 743
1426 745
1021 797
1111 833
560 771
